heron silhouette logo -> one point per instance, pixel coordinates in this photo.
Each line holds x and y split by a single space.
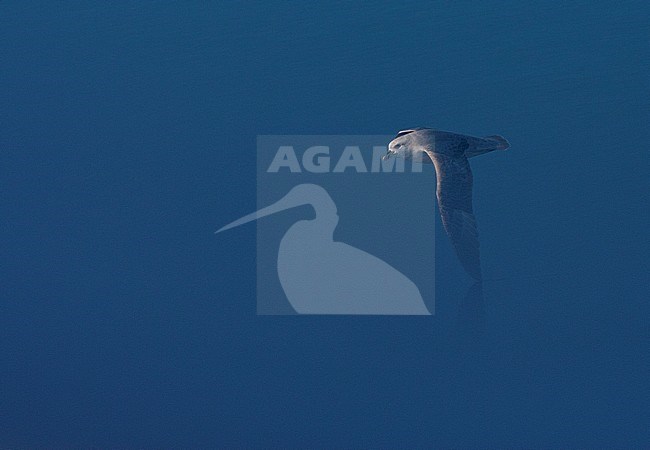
328 238
322 276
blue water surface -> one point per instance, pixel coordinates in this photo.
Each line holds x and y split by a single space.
127 136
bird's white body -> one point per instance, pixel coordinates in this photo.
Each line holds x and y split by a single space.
449 152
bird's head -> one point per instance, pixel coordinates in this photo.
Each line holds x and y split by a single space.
409 144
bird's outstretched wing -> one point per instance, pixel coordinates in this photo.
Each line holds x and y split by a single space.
454 192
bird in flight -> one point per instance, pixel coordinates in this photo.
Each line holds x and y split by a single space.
449 153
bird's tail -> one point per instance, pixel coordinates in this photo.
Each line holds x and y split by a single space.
480 146
502 143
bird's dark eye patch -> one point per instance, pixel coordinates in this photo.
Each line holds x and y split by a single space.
402 133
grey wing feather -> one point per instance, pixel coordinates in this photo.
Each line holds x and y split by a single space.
454 192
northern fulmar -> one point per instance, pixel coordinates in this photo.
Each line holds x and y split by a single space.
449 153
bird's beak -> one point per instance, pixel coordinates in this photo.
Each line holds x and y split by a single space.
388 154
288 201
